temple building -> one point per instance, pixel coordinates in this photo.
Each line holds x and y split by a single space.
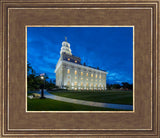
72 74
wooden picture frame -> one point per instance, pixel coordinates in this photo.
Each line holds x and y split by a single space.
143 15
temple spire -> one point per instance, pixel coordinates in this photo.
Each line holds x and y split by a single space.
66 47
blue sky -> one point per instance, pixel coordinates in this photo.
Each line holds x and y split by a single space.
109 48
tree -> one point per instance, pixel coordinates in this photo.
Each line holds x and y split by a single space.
126 85
109 86
116 86
34 82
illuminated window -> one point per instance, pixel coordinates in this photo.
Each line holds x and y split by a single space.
99 85
87 88
75 72
81 78
75 88
96 76
68 59
87 84
68 83
87 74
81 83
68 77
81 73
87 79
75 83
68 71
91 84
75 77
91 75
96 85
75 61
100 76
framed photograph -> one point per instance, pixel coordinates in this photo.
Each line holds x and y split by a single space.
79 68
73 82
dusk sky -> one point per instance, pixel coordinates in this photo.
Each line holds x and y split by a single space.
109 48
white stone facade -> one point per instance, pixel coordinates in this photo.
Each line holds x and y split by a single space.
71 73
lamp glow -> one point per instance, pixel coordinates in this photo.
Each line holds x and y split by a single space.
42 77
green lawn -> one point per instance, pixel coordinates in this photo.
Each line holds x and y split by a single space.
117 97
53 105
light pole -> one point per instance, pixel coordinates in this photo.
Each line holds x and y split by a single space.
42 87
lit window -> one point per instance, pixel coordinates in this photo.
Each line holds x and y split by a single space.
68 59
91 75
68 83
81 78
100 76
75 88
87 84
87 88
75 83
68 71
87 79
91 84
96 76
96 85
81 73
75 72
75 77
81 83
87 74
75 61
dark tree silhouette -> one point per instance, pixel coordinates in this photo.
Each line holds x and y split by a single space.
34 82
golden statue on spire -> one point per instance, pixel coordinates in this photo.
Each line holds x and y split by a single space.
65 38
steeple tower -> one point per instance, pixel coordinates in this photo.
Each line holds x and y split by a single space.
65 47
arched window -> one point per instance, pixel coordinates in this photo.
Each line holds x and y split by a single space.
68 83
87 84
75 72
68 71
81 73
87 74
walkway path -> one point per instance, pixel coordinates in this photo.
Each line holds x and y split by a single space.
89 103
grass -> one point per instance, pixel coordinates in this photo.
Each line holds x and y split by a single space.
53 105
117 97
